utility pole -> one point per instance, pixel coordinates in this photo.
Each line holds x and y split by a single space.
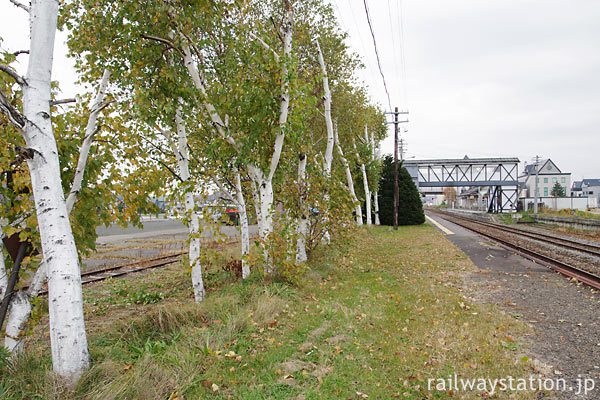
535 198
396 194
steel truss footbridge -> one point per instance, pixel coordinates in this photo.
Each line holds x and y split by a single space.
498 175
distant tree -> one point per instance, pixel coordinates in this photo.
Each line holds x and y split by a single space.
410 206
557 190
450 194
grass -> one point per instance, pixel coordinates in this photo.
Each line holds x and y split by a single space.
566 213
378 315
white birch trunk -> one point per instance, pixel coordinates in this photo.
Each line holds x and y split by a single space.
244 231
183 160
265 190
20 310
328 121
376 193
263 181
330 137
365 180
3 275
240 203
18 315
302 223
256 199
376 205
70 355
349 181
367 193
20 307
90 130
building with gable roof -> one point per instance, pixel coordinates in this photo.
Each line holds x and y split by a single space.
587 188
548 175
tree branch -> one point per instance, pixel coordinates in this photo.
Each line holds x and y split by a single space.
21 5
165 41
168 168
18 78
84 149
62 101
264 44
19 52
13 115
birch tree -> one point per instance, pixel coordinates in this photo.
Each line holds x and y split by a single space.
180 149
349 180
20 307
70 355
365 179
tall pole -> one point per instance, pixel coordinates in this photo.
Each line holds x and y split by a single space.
535 198
396 195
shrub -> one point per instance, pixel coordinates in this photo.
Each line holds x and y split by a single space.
410 206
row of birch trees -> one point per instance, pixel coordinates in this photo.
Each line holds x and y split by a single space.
255 98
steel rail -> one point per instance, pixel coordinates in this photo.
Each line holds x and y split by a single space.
98 275
542 237
556 265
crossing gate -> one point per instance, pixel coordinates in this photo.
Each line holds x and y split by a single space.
498 175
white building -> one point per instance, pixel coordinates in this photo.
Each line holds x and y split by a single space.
587 188
548 175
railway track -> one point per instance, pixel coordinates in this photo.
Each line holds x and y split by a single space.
491 231
114 271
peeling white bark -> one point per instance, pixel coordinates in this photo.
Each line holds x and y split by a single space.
365 180
327 105
244 230
70 355
18 315
3 275
263 181
349 181
302 222
20 311
256 198
199 84
330 136
240 203
180 149
90 130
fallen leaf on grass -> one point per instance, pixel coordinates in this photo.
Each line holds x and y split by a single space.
362 395
175 396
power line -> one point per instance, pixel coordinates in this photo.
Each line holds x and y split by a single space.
400 16
395 52
377 53
362 44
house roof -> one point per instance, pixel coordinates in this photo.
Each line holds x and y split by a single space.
590 182
469 192
529 168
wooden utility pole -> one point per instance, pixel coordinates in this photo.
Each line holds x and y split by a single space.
396 195
536 195
396 169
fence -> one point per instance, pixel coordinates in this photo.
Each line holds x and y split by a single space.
561 203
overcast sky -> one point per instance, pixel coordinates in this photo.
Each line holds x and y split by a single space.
483 78
489 78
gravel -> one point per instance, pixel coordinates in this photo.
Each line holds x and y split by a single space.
564 316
